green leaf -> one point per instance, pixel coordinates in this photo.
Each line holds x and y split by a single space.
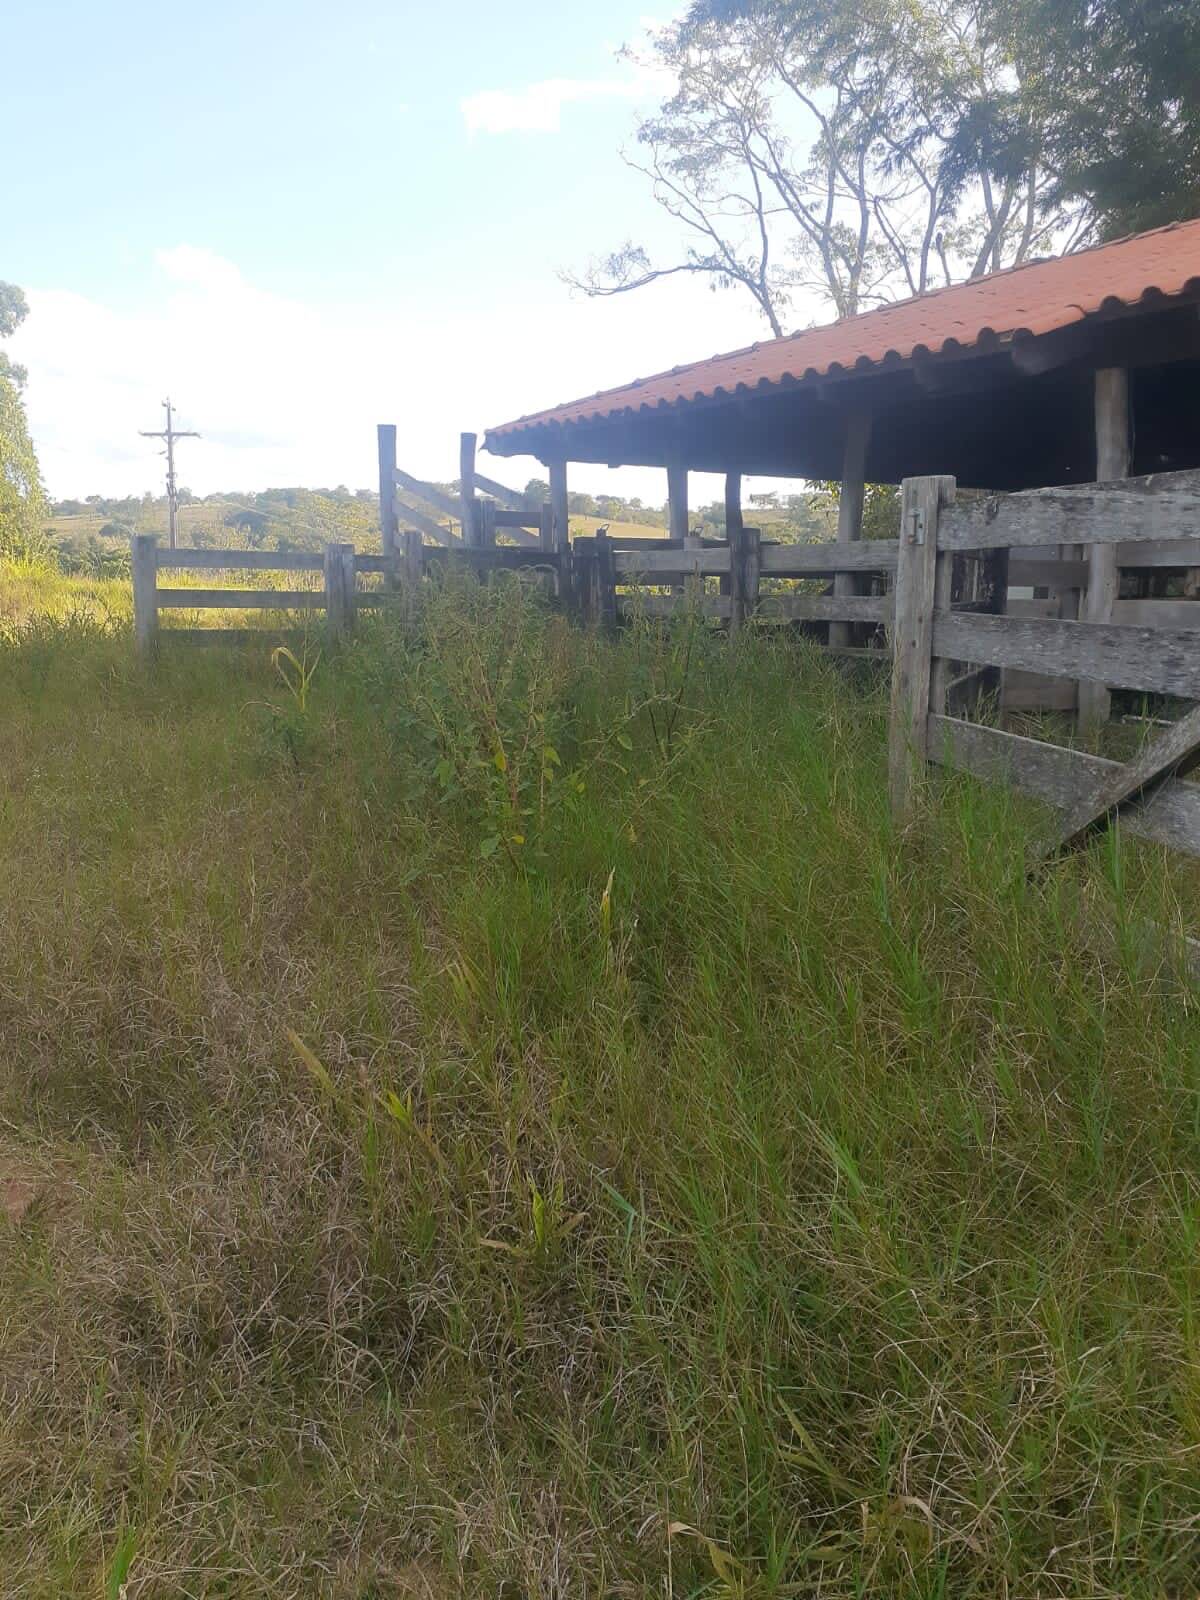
490 845
625 741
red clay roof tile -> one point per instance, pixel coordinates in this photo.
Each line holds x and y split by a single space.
1032 299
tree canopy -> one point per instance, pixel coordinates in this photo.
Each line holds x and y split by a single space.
867 149
22 502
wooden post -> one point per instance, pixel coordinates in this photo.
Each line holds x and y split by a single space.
850 512
336 595
145 591
466 474
349 586
558 505
733 532
388 525
1112 463
606 583
677 502
414 570
486 512
912 639
744 570
583 579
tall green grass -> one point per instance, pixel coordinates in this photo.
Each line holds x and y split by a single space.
527 1123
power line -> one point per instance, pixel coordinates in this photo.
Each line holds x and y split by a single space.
170 434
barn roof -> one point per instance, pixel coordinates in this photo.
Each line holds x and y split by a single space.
987 314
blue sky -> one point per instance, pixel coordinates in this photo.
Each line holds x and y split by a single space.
300 219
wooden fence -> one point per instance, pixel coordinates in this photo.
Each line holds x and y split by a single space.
942 649
340 596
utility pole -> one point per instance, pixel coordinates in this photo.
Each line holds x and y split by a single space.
170 434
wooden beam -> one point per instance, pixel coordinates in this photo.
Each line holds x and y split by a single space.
677 501
828 559
429 492
1170 756
1112 462
733 506
388 527
1118 513
405 513
558 504
1157 660
851 501
466 474
1169 814
512 498
181 559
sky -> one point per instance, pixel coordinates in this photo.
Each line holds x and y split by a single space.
300 219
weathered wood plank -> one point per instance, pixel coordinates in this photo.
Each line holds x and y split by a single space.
241 560
1170 815
1112 416
1160 660
1096 514
516 517
417 519
145 557
558 504
826 560
1179 553
1157 613
921 508
1171 755
851 501
512 499
1053 574
241 599
677 501
666 605
267 637
428 492
825 608
678 561
496 557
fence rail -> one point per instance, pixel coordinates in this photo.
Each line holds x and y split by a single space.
1148 646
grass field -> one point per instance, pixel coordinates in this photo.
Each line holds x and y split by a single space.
509 1116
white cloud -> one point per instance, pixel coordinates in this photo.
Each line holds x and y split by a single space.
285 391
538 107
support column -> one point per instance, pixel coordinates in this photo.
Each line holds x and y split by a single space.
850 512
558 505
677 501
733 538
1112 463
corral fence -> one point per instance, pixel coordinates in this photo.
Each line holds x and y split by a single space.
934 603
946 652
339 596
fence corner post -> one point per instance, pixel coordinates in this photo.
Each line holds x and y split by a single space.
921 499
144 571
